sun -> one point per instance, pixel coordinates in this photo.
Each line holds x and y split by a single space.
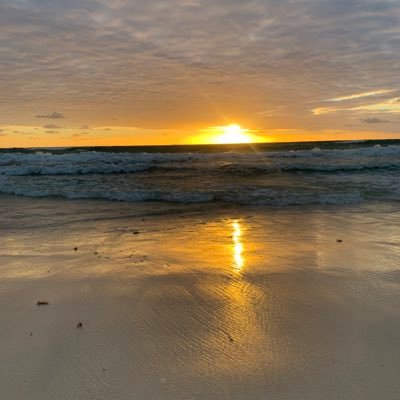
227 134
233 133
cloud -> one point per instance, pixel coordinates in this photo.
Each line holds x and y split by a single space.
85 127
22 132
52 131
360 95
374 120
78 134
52 126
197 62
53 115
390 106
324 110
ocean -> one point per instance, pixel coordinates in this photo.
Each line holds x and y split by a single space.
269 175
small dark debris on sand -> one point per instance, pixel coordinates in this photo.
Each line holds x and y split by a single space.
79 325
135 233
42 303
228 335
75 249
96 253
339 240
31 334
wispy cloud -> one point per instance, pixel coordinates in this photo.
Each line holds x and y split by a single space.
193 63
52 126
374 120
391 106
53 115
360 95
325 110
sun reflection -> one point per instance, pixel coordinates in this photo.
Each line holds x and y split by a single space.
238 259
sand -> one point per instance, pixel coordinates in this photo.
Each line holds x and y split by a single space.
197 302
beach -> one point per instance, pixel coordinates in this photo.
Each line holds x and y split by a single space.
199 200
198 301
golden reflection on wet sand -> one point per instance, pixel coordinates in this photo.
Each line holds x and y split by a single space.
238 259
246 312
237 320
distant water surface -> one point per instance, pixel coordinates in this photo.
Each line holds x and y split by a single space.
278 174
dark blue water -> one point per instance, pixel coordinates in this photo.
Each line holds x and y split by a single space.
263 174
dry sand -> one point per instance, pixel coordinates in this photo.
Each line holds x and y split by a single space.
233 304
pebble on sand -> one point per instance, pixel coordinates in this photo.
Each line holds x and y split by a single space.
79 325
42 303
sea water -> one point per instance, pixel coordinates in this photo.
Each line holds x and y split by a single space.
278 175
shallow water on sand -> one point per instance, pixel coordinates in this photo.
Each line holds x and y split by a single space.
178 302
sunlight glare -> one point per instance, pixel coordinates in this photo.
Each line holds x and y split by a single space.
233 133
237 246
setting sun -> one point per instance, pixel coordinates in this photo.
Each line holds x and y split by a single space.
227 134
233 133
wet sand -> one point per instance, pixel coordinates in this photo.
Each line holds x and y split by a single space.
191 303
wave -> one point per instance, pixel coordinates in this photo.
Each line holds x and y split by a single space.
251 170
315 175
353 141
262 197
315 160
232 169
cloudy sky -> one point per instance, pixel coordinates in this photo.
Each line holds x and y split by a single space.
86 72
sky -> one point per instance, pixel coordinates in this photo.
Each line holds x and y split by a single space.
86 72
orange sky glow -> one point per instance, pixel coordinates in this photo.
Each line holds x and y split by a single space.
100 73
